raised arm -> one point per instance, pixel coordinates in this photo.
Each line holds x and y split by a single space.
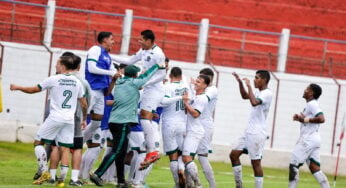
127 61
144 78
30 90
253 100
243 93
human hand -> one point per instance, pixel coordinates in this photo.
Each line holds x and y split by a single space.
247 82
236 76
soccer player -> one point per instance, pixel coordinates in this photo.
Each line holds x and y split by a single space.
153 92
194 128
308 146
207 120
174 120
98 70
123 115
253 140
65 91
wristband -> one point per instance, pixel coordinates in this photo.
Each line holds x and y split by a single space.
306 120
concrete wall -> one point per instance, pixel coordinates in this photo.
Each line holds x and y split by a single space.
29 65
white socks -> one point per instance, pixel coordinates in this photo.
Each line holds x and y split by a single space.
322 179
41 156
52 174
108 176
88 160
208 171
192 170
151 135
90 129
258 182
139 174
63 172
237 170
74 174
132 167
174 169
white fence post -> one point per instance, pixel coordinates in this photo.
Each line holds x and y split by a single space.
50 14
202 41
283 50
126 34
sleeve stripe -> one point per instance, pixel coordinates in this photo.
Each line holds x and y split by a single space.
39 86
92 60
260 100
198 111
167 96
319 113
208 98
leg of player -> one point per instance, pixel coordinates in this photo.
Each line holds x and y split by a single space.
108 176
181 170
64 165
54 162
89 158
293 177
41 156
318 174
237 168
174 166
258 172
191 169
207 169
76 161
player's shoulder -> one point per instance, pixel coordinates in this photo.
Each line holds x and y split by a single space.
94 48
156 50
267 92
313 104
211 91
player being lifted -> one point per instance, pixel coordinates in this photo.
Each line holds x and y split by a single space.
253 140
65 90
153 91
308 146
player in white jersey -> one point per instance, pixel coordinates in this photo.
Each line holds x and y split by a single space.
308 145
207 120
253 140
174 121
65 90
194 128
153 91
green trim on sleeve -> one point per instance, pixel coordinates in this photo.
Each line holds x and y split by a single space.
260 100
92 60
167 96
208 98
160 68
39 86
198 111
319 113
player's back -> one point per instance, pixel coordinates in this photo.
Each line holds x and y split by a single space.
212 94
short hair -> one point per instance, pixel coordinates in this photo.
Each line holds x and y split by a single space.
122 66
205 78
102 35
207 71
167 59
148 34
176 72
264 74
316 89
68 62
76 59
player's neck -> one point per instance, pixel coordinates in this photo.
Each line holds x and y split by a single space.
175 80
200 91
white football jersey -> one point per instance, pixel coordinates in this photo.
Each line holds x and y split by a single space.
199 103
64 90
312 110
176 110
257 123
207 116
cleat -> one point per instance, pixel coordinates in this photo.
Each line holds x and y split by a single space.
122 185
95 179
37 175
60 183
51 181
76 183
150 158
44 177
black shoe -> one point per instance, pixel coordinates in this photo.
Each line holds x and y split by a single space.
122 185
37 175
95 179
51 181
76 183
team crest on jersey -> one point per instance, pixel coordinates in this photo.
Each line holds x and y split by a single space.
97 136
107 59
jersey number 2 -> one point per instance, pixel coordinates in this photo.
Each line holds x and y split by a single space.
68 95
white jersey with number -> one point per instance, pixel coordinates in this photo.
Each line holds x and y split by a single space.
194 125
64 90
175 111
257 123
207 116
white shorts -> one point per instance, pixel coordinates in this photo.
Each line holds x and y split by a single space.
62 133
96 137
96 102
306 150
106 135
191 143
205 146
136 141
253 144
151 99
173 136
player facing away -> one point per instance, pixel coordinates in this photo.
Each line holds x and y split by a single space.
174 121
65 91
153 91
98 70
207 120
253 140
308 145
194 127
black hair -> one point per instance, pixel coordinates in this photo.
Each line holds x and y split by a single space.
76 59
264 74
205 78
148 34
67 53
68 62
316 89
102 35
122 66
116 66
176 72
167 59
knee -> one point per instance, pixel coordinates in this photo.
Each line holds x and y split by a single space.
233 156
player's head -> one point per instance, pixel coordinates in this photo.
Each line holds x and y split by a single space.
312 91
176 73
76 59
147 39
106 39
208 72
262 78
65 63
202 83
131 71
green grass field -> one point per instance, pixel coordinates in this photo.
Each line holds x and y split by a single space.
18 165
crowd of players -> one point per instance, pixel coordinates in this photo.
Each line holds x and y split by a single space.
122 108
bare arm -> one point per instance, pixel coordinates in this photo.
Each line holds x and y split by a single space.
34 89
251 96
194 113
84 105
301 118
243 93
127 61
112 84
